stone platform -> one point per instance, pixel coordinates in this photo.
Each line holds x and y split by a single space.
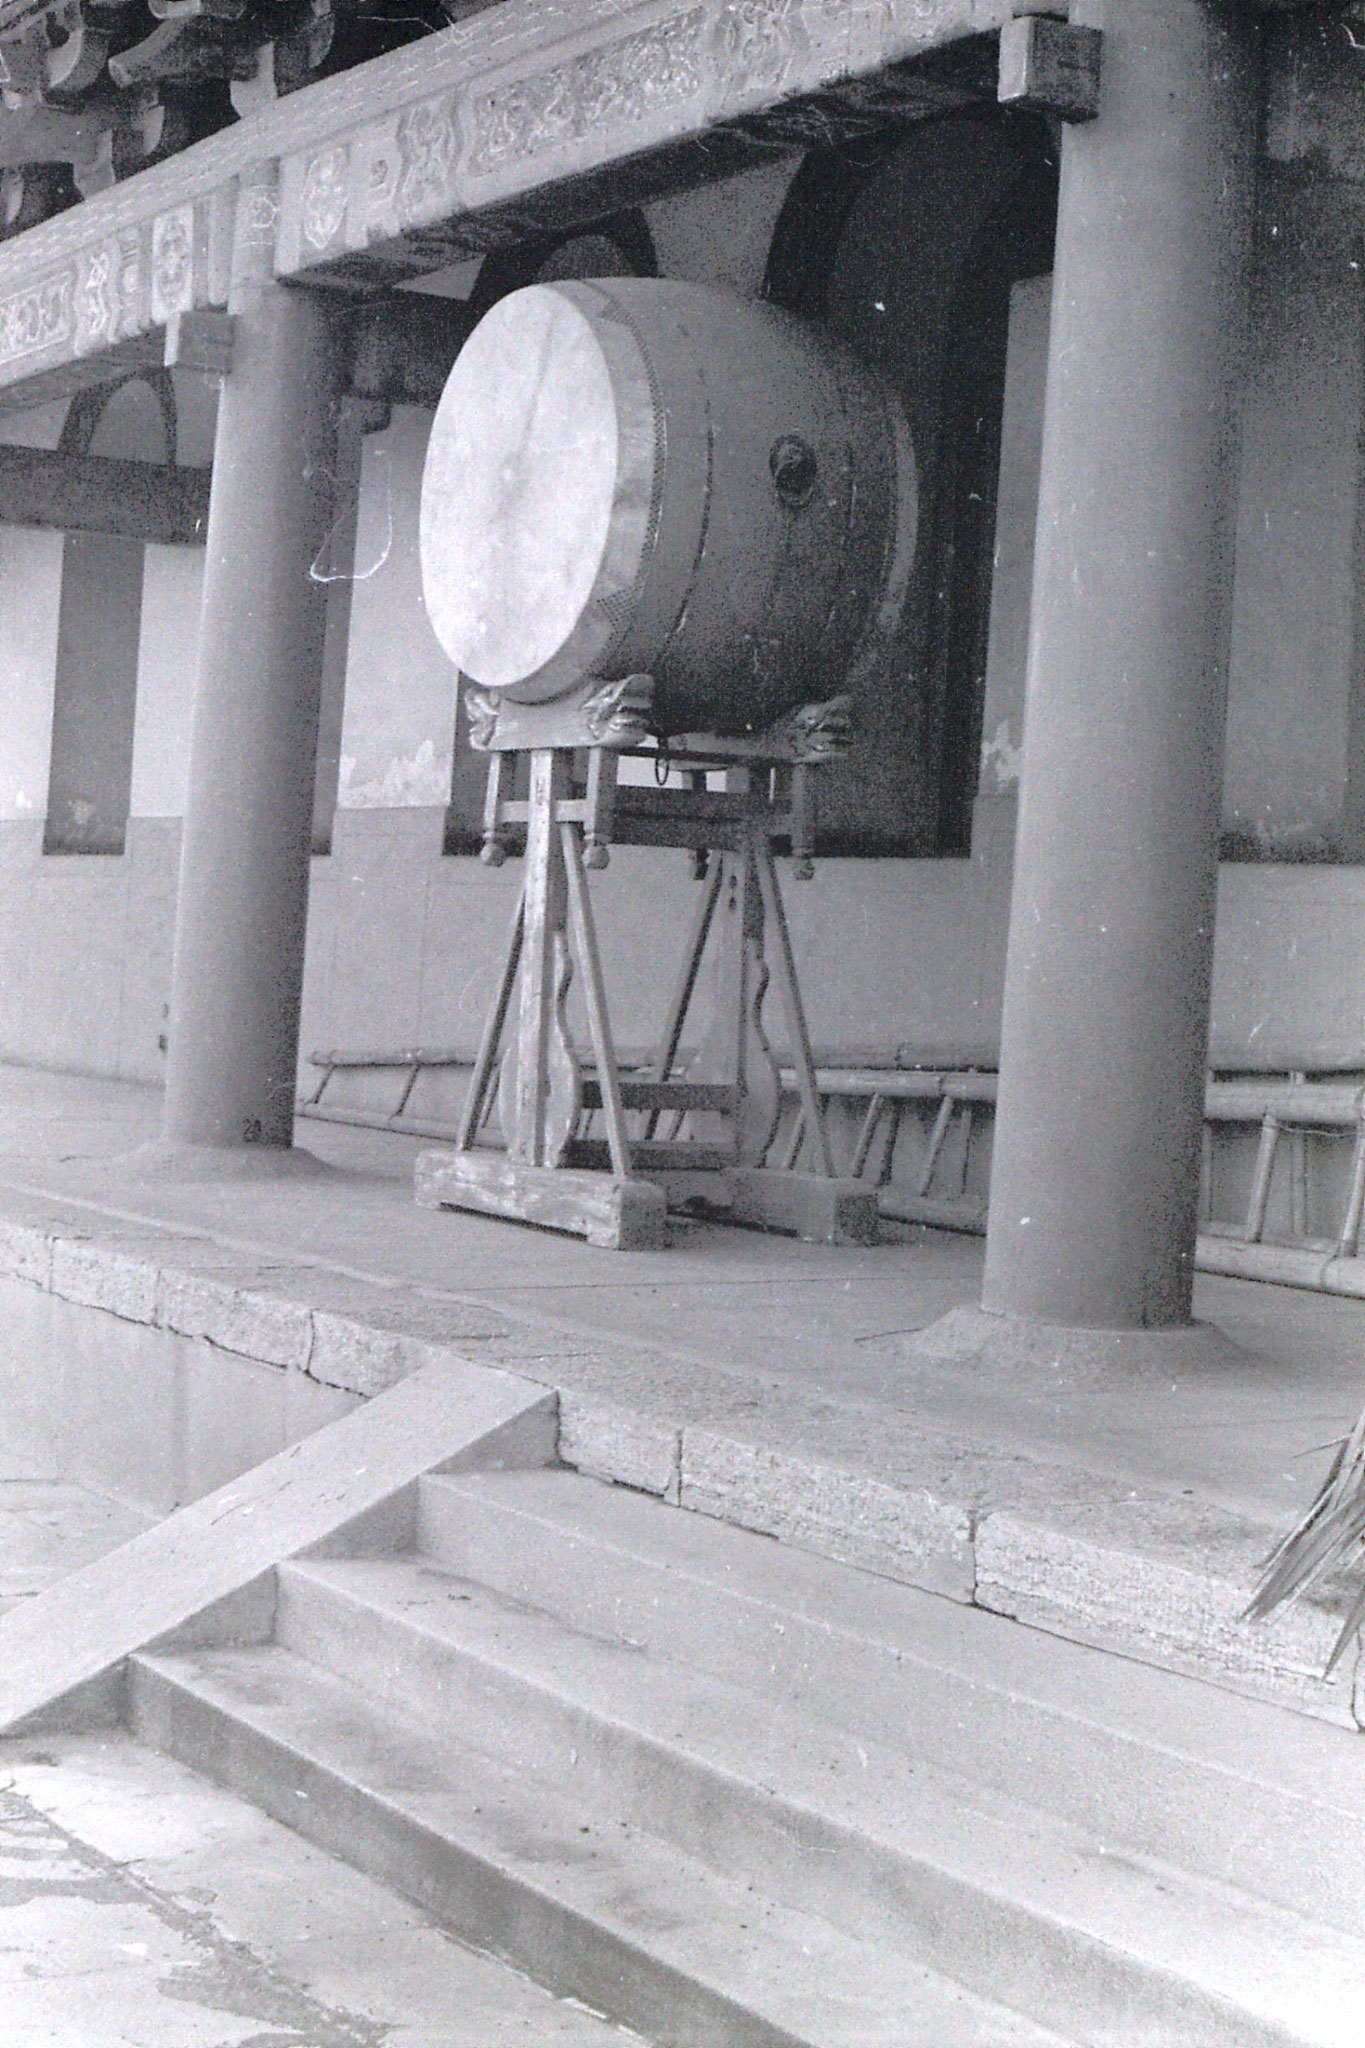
163 1332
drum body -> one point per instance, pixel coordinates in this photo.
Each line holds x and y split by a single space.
633 475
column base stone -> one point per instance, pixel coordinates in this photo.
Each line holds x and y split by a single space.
167 1160
1002 1344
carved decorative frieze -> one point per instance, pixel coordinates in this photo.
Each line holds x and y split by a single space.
570 90
757 41
119 287
258 215
173 264
377 164
134 270
95 295
112 290
613 87
36 320
499 127
429 147
326 190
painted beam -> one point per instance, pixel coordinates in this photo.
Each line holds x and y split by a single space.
461 142
95 494
643 97
102 305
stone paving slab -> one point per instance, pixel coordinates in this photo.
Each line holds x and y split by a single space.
838 1323
143 1907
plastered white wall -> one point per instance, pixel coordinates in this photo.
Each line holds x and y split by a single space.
172 583
398 726
30 594
1294 594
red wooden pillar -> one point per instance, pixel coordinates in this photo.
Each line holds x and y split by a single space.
1097 1146
243 901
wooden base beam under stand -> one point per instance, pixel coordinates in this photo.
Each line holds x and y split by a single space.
722 1110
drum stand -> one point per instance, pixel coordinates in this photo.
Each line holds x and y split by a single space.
723 1105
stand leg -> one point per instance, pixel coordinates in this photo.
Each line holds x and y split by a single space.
735 1047
476 1101
791 1151
500 775
680 1002
785 967
595 996
540 1083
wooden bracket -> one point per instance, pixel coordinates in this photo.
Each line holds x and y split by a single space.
200 340
593 714
404 345
1053 67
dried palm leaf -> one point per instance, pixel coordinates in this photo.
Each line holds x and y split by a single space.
1330 1536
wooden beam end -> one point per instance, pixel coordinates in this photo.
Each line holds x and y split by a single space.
1049 66
200 340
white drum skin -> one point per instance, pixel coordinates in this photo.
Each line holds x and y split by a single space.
633 475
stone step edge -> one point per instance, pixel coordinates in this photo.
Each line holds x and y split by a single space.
1143 1755
1146 1599
1141 1599
521 1683
200 1295
566 1921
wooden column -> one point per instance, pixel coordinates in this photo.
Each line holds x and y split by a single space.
243 901
1107 988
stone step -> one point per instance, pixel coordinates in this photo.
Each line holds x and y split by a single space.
1167 1766
145 1907
595 1910
991 1892
1160 1577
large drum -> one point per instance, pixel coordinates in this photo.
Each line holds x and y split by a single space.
634 476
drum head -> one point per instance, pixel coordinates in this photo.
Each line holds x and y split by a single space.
518 490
